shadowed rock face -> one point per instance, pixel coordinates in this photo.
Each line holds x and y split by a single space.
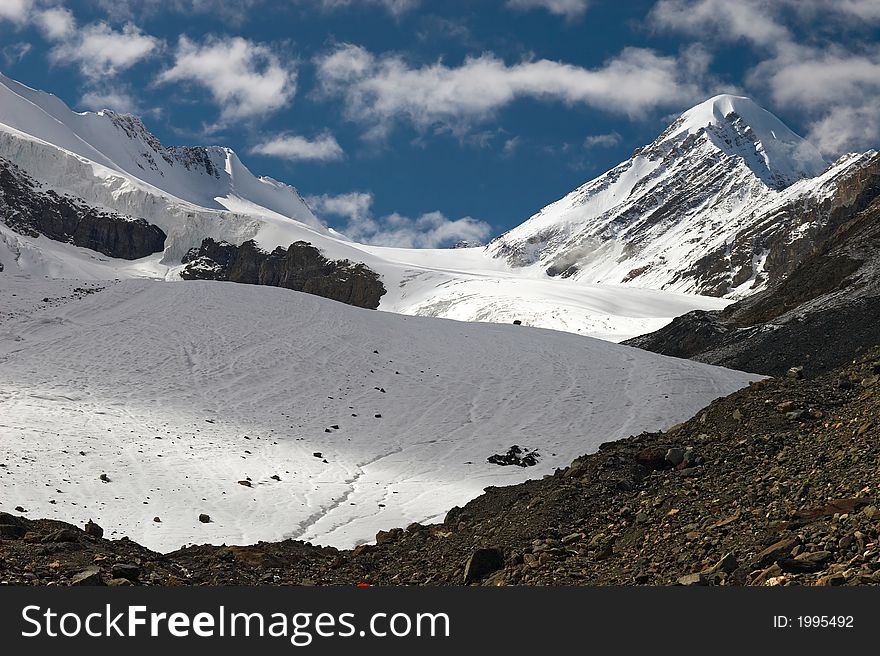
820 316
300 267
30 211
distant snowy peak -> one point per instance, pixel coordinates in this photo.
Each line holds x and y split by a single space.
120 146
737 126
697 210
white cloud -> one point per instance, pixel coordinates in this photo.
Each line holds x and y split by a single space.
15 52
380 90
56 23
245 78
116 99
296 148
837 90
750 20
393 7
832 84
511 146
845 128
571 9
354 206
99 50
17 11
235 12
602 140
429 230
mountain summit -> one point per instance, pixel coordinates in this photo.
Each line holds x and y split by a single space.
722 202
737 126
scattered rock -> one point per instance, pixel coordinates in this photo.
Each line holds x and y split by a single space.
779 549
693 579
675 456
482 562
90 576
652 458
125 571
94 530
62 535
204 518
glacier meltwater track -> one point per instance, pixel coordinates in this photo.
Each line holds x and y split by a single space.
286 415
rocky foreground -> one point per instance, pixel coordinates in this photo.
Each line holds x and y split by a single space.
777 484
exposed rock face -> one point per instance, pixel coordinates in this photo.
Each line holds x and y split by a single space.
819 316
31 211
300 267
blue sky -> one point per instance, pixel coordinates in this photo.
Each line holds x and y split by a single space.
413 122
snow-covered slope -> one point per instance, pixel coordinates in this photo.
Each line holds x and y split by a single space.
121 149
368 419
689 211
111 161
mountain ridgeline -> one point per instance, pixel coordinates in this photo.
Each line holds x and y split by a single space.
726 201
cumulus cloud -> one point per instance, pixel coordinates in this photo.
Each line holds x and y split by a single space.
98 49
134 10
511 145
118 100
832 83
56 23
393 7
245 79
750 20
429 230
758 21
379 90
354 206
570 9
292 147
15 52
17 11
837 90
602 140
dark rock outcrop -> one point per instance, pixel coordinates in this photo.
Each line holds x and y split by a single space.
300 267
29 210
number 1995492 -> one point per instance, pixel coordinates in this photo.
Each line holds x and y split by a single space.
824 621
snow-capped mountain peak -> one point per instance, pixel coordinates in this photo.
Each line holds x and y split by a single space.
738 126
691 211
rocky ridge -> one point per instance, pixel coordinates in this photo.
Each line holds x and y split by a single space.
300 267
773 485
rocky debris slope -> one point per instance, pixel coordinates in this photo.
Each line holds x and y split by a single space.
300 267
32 211
824 310
773 485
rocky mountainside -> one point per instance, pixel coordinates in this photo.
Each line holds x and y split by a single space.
773 485
30 210
725 201
826 309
